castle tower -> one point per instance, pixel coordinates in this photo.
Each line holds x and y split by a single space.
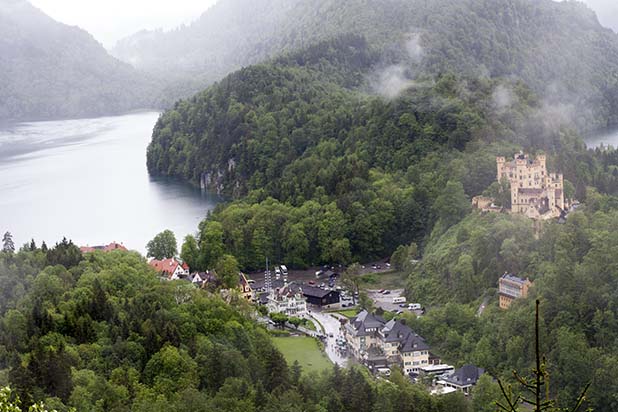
542 160
500 161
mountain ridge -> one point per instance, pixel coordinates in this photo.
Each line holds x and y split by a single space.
49 70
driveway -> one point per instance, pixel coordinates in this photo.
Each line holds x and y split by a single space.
331 326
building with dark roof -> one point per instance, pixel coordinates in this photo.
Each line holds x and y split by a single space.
462 379
378 343
319 296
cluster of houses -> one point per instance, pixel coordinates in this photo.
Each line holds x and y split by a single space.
370 339
381 344
279 296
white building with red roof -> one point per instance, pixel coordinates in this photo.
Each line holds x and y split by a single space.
171 268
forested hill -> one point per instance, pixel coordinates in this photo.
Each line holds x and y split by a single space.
353 175
49 70
558 48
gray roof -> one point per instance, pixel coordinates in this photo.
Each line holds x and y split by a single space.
409 341
309 290
364 321
464 376
513 278
414 342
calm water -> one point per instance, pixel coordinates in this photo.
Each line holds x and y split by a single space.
87 180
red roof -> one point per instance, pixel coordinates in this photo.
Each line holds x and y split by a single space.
108 248
167 265
114 246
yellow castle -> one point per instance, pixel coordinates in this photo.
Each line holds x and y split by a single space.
534 192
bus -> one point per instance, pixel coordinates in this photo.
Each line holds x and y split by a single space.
400 299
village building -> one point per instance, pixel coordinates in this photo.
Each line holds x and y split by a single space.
171 268
288 300
534 192
321 297
462 379
104 248
245 287
377 343
511 287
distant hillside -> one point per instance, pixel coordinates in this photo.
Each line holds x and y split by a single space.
49 70
559 48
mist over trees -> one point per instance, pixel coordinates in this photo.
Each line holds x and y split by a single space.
559 49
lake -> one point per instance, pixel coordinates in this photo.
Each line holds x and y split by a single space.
87 180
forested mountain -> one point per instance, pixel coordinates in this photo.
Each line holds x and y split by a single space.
334 175
558 48
49 70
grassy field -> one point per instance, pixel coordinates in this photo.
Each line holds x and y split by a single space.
385 280
305 350
348 313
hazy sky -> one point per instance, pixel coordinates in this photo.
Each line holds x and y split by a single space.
607 10
111 20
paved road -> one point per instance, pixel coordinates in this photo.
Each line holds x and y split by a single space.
331 326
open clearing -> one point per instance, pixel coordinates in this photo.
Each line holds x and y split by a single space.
305 350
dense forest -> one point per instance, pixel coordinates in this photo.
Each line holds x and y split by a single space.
573 269
49 70
319 171
558 48
328 175
101 332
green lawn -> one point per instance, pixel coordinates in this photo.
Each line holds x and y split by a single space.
348 313
305 350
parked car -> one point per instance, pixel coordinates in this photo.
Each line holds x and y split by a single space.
384 371
381 291
387 292
312 282
402 305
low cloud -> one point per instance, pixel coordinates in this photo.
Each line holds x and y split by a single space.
503 98
391 80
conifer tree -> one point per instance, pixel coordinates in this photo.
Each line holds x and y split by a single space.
7 243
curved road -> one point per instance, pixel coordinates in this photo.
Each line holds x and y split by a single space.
331 326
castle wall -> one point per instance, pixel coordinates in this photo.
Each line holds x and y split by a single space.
533 191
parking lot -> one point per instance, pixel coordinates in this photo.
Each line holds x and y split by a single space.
384 300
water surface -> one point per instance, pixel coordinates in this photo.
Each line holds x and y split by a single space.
87 180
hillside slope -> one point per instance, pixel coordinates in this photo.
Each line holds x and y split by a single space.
559 48
49 70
